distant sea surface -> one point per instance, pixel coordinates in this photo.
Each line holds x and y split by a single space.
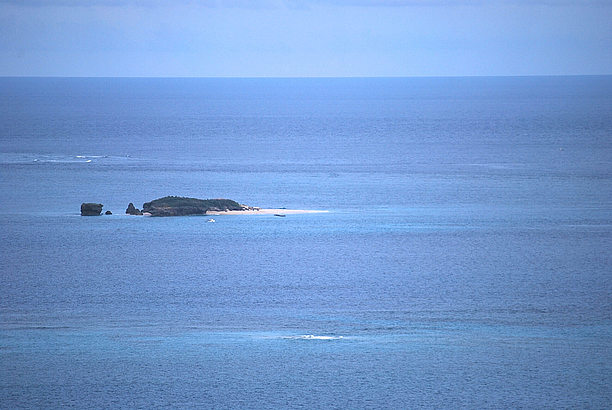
465 261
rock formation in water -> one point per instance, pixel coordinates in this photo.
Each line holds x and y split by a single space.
132 210
180 206
91 209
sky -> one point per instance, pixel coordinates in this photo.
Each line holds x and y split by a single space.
304 38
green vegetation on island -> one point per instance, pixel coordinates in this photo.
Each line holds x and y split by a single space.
179 206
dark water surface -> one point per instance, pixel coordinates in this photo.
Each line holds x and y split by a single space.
465 261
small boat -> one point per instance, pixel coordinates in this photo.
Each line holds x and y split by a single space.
281 215
211 220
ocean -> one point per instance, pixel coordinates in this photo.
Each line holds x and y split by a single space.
465 261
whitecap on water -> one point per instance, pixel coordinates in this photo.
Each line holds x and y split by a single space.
313 337
40 158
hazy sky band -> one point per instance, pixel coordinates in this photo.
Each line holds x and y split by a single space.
304 38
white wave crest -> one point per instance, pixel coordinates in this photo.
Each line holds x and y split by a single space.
314 337
39 158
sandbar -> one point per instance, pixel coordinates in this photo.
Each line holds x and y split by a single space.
267 211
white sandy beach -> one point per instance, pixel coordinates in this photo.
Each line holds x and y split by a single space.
267 211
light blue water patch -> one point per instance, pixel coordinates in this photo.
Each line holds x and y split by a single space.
279 367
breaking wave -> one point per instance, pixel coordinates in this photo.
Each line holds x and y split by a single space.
37 158
313 337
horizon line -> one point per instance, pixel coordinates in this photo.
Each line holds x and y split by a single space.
307 77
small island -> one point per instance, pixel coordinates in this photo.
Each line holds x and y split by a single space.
182 206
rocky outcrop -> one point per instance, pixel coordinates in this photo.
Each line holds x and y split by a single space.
132 210
91 209
180 206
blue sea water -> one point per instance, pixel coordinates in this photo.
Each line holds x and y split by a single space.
465 261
